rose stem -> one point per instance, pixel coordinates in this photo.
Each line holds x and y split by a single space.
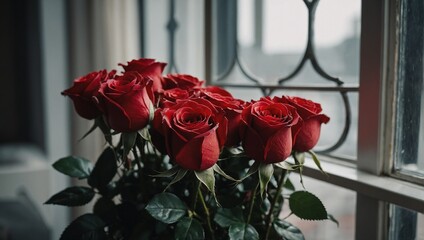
197 189
252 202
270 216
140 145
208 218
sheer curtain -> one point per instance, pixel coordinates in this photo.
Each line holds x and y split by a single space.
101 34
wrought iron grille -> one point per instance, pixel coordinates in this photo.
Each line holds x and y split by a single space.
235 61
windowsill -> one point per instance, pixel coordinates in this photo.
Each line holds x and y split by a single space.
384 188
21 158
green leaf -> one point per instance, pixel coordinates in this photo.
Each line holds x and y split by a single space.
104 169
218 170
254 168
208 179
73 166
144 133
166 207
307 206
168 173
72 196
128 141
287 230
228 216
151 112
180 174
242 231
85 227
189 228
299 157
333 219
289 185
265 174
105 129
286 165
316 161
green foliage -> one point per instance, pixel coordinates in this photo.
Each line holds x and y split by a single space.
265 174
167 208
225 217
316 161
85 227
307 206
207 177
242 231
104 170
73 166
287 230
72 196
188 229
143 195
128 141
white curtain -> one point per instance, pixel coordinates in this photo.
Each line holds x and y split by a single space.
101 34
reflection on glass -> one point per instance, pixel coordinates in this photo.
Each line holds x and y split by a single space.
339 202
410 115
405 224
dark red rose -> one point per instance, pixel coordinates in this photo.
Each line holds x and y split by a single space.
147 68
84 89
268 130
232 107
125 101
194 132
310 112
183 81
170 97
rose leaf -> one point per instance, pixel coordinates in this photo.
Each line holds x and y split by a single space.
166 207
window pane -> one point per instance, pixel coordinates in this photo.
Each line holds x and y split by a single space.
339 202
269 43
405 224
410 133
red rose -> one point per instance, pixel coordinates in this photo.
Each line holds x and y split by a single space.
183 81
147 68
232 107
309 111
268 130
194 132
125 101
172 95
84 89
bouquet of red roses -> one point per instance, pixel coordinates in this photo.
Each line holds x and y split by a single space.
184 161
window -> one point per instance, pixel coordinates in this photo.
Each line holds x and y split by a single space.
376 111
410 89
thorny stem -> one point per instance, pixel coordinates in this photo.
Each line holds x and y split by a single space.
252 203
208 217
270 216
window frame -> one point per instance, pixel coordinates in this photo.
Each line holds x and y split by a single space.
372 177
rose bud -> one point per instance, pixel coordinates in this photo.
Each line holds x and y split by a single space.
232 108
125 101
84 89
147 68
268 130
194 132
310 112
